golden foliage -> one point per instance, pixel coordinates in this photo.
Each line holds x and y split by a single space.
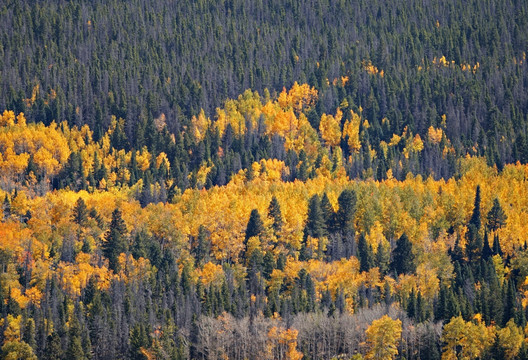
383 336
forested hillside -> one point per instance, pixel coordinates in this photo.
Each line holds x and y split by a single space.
263 180
405 64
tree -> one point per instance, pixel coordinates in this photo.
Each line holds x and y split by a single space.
347 210
202 246
496 216
254 225
17 350
365 254
275 214
80 212
315 224
328 213
473 243
475 217
75 350
510 338
466 340
116 241
383 336
402 257
53 350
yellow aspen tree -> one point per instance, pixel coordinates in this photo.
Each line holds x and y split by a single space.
351 129
510 339
330 128
383 336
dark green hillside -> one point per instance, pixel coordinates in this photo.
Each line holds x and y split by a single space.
138 59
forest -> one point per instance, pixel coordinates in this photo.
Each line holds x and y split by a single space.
263 180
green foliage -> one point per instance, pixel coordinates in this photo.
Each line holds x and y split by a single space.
403 258
496 216
255 225
116 240
365 254
274 213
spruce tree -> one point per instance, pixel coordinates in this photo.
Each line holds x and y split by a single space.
202 246
75 351
486 250
366 258
496 246
315 224
275 214
347 210
116 242
403 258
496 216
328 213
80 212
53 350
475 217
254 225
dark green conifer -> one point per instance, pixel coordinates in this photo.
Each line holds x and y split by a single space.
116 242
254 225
402 257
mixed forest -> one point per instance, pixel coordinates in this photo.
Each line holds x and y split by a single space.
263 180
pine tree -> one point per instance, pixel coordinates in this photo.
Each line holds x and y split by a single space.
403 258
473 243
496 216
315 224
254 225
509 302
80 212
274 213
202 246
53 350
116 242
411 305
328 213
486 250
347 210
138 340
475 217
75 351
496 246
366 258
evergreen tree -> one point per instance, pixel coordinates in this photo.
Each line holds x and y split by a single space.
475 217
80 212
202 246
365 255
496 246
116 242
274 213
486 250
347 210
328 213
53 350
315 224
75 351
255 225
473 243
138 340
402 257
509 302
496 216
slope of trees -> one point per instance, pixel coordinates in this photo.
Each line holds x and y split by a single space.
275 180
433 70
259 265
